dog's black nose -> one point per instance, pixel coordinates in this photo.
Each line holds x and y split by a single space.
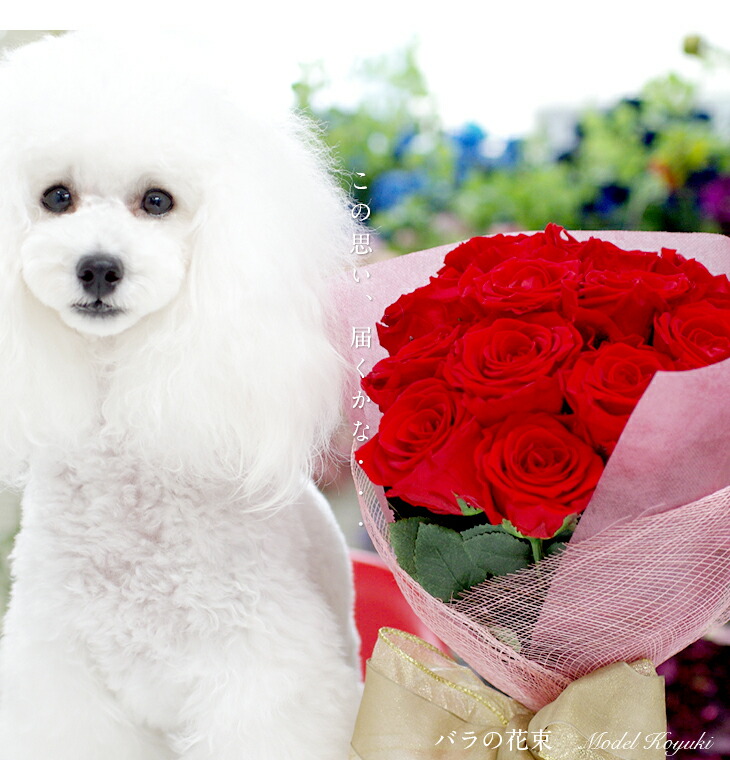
99 273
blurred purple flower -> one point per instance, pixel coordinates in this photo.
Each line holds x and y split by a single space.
715 200
697 698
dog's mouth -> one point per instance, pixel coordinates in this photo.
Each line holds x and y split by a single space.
97 308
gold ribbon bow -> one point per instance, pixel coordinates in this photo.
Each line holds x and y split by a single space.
418 704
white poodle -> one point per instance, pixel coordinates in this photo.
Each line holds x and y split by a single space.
180 588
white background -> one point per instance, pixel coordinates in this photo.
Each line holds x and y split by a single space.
497 63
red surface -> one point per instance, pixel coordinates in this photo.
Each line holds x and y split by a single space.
379 602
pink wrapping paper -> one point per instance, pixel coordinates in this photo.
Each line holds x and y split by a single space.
648 569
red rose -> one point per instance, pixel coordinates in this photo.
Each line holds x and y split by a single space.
484 253
605 385
621 291
594 326
481 253
512 365
418 359
695 334
538 472
703 284
416 314
669 275
631 298
424 450
519 286
600 254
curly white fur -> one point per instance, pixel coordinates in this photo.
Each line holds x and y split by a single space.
181 591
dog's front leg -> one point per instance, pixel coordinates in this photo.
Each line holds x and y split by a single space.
53 707
293 704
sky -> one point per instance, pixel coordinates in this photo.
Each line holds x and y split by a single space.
499 64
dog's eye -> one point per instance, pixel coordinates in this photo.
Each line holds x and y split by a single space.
157 202
57 199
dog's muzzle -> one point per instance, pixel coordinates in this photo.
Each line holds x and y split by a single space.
99 274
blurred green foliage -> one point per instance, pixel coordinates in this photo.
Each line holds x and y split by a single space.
9 519
651 162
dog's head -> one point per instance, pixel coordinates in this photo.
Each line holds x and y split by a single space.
113 169
105 243
163 263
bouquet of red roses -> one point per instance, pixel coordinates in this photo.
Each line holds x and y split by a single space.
531 385
511 376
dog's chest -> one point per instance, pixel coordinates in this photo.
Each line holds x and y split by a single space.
144 564
150 577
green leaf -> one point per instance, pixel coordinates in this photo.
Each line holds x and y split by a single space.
466 510
560 540
403 539
497 553
536 544
509 528
443 567
569 525
556 547
507 636
446 562
477 530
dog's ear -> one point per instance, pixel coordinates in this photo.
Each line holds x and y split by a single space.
243 380
48 393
